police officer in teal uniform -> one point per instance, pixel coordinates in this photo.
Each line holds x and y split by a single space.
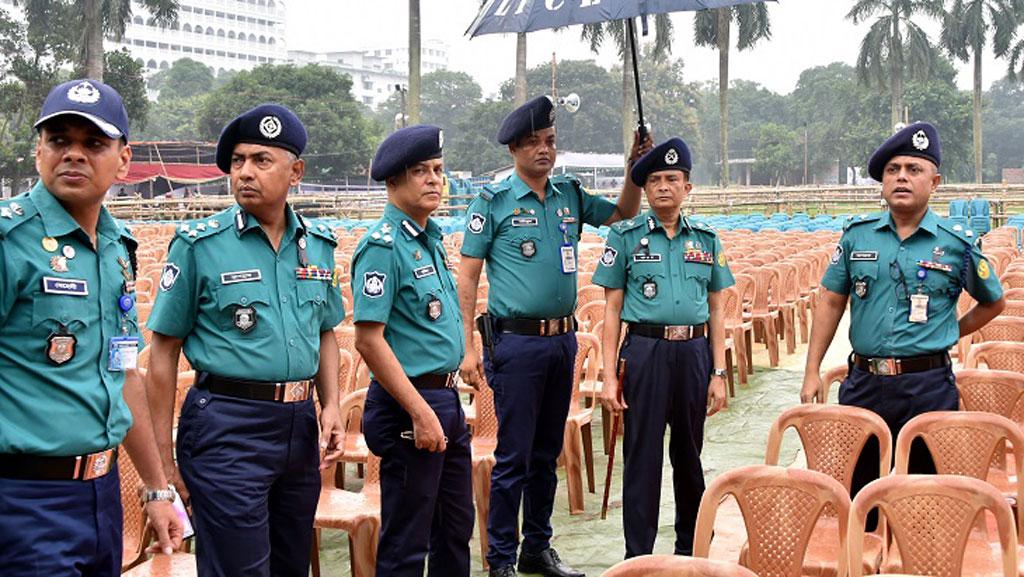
527 228
250 295
409 332
905 269
663 275
69 341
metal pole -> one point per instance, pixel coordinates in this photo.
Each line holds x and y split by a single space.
631 32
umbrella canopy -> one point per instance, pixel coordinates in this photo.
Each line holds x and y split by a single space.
502 16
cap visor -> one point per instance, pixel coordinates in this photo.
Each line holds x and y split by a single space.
106 127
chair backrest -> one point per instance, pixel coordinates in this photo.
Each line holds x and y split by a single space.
962 443
1012 280
351 413
1014 294
133 514
930 518
998 355
780 507
588 349
676 566
345 366
587 293
1014 308
1001 328
834 376
732 307
833 437
991 391
766 288
590 314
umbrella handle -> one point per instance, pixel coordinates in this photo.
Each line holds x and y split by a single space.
641 125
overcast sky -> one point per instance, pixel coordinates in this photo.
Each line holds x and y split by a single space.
805 33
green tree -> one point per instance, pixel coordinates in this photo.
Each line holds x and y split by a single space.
1004 123
965 33
110 18
184 79
445 96
713 28
824 99
470 144
124 74
895 46
341 139
172 119
595 34
777 152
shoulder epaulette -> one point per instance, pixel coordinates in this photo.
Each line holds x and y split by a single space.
194 230
15 212
321 230
963 233
489 191
623 226
702 226
855 220
381 234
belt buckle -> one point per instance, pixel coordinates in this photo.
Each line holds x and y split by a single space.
885 367
293 392
678 332
544 327
449 381
95 465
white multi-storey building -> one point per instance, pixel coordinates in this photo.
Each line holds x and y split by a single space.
375 72
223 34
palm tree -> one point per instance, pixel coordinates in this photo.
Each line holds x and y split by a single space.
520 92
894 39
712 28
1015 69
965 30
111 17
414 62
596 33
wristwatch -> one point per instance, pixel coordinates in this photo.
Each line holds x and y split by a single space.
149 495
720 373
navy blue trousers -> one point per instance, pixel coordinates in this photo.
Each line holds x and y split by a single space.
897 400
666 384
61 528
532 382
426 498
251 468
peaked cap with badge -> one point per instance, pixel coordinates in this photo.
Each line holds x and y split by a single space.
404 148
919 139
267 124
673 154
536 114
89 99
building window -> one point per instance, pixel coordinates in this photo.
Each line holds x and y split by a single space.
368 100
220 32
271 41
187 28
231 35
137 20
151 65
263 39
367 86
150 44
164 65
199 29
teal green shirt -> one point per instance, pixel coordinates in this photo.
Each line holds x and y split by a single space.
243 309
521 239
883 272
75 407
665 281
400 278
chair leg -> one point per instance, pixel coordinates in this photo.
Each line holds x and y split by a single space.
314 556
588 455
790 326
573 474
482 496
729 377
772 342
749 339
362 542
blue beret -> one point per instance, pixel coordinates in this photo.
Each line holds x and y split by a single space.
404 148
537 114
673 154
90 99
919 139
267 124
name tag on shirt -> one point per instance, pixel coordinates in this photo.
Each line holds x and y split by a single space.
569 219
646 258
65 286
864 255
518 221
240 276
424 271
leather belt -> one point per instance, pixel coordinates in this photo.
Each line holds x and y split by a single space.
433 381
280 392
536 327
899 366
667 332
41 468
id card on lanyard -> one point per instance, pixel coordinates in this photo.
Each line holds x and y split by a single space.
568 252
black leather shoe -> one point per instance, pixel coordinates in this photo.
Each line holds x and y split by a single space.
505 571
546 563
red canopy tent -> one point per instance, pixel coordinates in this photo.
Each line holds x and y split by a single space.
178 162
183 173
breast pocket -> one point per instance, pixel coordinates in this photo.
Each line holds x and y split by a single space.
54 313
525 244
698 276
942 284
648 281
312 296
242 306
863 274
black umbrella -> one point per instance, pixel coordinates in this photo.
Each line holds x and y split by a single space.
502 16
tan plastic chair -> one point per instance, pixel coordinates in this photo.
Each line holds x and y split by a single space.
764 315
590 314
998 355
780 508
484 442
832 377
833 437
1014 308
355 450
930 518
588 293
133 514
577 425
676 566
358 514
738 331
990 391
176 565
1001 328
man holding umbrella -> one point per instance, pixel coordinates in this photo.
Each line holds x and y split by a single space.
527 228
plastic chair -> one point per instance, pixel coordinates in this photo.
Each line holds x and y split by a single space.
590 314
1012 280
780 508
1014 308
676 566
483 444
763 315
736 330
833 437
577 424
990 391
834 376
930 518
133 514
176 565
588 293
998 355
1001 328
358 514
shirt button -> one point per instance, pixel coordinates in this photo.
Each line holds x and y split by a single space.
202 402
890 309
284 299
243 300
677 302
291 342
903 248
